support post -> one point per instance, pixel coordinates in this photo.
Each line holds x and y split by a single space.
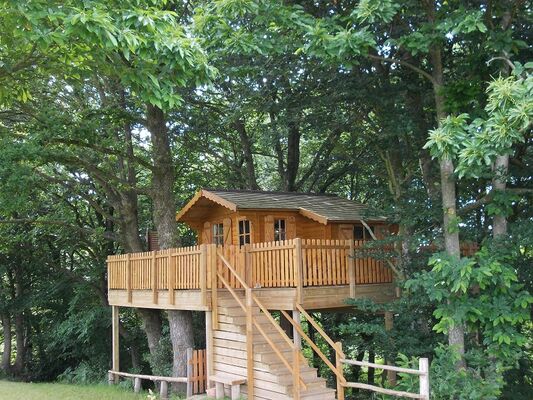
115 342
423 366
155 293
339 355
296 372
189 372
249 343
298 269
296 337
209 346
163 391
351 267
128 277
389 324
203 273
214 285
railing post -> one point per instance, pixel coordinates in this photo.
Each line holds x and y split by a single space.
298 269
203 273
189 372
423 366
249 343
339 355
136 385
128 277
248 274
351 267
171 277
155 293
296 372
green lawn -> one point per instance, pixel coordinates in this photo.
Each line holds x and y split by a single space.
59 391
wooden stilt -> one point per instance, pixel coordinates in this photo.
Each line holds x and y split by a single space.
389 324
209 346
115 341
296 316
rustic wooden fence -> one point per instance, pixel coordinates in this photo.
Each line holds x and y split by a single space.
196 378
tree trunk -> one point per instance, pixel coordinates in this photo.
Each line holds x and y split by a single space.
499 183
165 220
20 339
246 143
6 355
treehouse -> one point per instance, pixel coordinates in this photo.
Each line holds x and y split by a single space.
259 253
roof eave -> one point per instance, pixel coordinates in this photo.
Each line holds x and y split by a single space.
208 195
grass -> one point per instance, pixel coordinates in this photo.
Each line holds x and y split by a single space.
60 391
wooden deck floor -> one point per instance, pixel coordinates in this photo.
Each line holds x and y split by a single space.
313 298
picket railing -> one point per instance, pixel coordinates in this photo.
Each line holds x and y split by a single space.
294 263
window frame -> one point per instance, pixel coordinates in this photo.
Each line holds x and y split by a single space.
280 233
243 236
366 236
217 232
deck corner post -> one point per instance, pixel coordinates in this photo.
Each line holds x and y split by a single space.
423 366
189 372
209 346
298 269
203 273
249 343
297 338
115 342
296 372
214 285
389 324
351 267
128 277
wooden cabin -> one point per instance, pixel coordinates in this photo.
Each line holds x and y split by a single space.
260 252
239 217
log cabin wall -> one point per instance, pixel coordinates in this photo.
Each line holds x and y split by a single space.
262 226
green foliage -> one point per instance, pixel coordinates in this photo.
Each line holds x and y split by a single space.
482 293
478 382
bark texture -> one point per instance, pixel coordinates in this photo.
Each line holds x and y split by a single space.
163 176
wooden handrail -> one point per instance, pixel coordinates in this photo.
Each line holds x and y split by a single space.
382 366
316 326
295 371
333 369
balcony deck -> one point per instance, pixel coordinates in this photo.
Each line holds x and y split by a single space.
316 274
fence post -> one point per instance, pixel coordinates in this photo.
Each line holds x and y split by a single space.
423 366
128 276
249 343
155 293
351 267
203 273
136 385
163 392
298 269
189 372
339 355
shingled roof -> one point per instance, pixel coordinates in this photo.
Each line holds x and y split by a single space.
323 208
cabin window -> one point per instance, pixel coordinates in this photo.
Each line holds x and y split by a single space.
361 233
244 232
218 234
280 231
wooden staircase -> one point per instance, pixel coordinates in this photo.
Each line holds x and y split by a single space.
272 380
